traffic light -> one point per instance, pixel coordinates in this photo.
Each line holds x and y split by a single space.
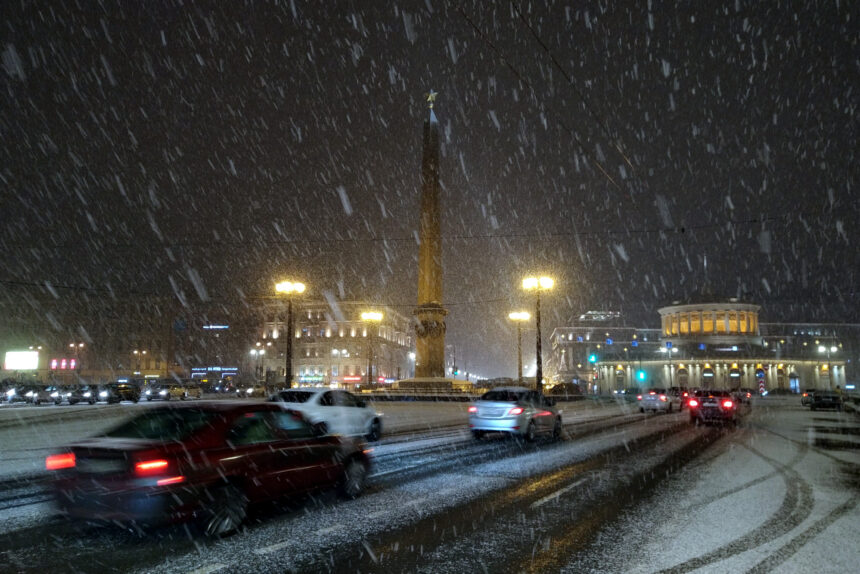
592 358
640 375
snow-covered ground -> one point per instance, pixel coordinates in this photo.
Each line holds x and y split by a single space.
779 495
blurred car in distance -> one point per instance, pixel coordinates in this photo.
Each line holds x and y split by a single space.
117 392
806 397
336 411
713 406
257 391
207 461
517 411
658 399
826 400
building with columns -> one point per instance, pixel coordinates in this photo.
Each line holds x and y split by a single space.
710 344
332 345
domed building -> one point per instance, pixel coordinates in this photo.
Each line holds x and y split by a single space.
707 343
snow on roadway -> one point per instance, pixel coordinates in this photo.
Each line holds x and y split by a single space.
303 539
767 499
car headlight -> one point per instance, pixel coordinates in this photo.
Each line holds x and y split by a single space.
10 393
29 394
249 391
162 392
103 394
88 394
148 392
55 394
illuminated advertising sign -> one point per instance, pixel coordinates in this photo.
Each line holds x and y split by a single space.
352 379
21 361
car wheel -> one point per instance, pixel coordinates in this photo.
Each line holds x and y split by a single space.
530 432
556 429
354 478
812 408
149 398
641 410
477 435
225 512
375 431
92 401
669 410
57 403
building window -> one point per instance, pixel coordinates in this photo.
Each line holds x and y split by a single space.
685 324
744 325
707 322
733 322
334 370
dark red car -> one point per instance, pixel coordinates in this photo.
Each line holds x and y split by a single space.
205 462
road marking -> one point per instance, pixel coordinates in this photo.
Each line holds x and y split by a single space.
208 568
557 493
273 547
329 529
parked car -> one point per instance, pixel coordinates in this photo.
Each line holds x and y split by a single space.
517 411
713 406
806 397
257 391
338 412
658 399
683 394
83 394
28 393
117 392
206 461
826 400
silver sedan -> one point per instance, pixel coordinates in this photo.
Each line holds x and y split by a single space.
517 411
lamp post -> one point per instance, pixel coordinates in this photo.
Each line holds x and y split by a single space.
538 284
519 317
289 288
370 317
828 349
139 355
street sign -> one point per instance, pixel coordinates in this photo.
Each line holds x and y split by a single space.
761 388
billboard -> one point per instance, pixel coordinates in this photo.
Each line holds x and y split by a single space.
21 361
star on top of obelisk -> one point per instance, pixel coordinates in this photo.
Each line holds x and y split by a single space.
431 98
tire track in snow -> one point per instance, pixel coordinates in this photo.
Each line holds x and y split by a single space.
796 507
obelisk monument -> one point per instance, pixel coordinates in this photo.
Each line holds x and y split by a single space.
430 314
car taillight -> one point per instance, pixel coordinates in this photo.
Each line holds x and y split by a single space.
516 411
58 461
686 395
638 397
663 398
727 404
473 409
148 467
694 403
749 395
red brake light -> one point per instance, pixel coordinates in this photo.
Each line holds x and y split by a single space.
516 411
151 466
749 395
663 398
58 461
686 395
727 404
638 397
473 409
694 403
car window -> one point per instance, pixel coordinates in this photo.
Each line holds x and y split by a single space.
344 399
327 400
293 425
167 424
503 396
252 428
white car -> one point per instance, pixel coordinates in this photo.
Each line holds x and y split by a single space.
658 400
339 412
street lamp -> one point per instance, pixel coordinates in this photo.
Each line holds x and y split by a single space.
538 284
289 288
258 355
370 317
519 317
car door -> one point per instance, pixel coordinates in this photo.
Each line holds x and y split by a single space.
251 451
352 415
330 413
306 461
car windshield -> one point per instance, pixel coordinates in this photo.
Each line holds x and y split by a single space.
503 396
295 396
164 424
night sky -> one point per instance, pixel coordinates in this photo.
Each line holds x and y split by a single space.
155 148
